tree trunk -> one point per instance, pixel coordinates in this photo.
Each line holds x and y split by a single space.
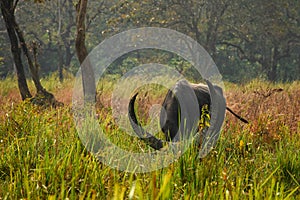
8 16
298 71
272 72
66 36
17 40
34 70
88 78
60 63
68 58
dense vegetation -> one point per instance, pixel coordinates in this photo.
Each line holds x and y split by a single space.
42 157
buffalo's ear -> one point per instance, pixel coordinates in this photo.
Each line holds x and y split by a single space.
218 90
217 109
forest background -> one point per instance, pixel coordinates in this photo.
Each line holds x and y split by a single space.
246 39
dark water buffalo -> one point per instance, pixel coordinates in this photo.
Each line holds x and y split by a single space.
184 101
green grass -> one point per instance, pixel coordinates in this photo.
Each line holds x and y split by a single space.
41 156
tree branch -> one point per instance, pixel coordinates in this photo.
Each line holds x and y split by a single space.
15 5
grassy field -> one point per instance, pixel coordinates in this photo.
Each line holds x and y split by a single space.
41 156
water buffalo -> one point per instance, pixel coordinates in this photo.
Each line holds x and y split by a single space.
184 101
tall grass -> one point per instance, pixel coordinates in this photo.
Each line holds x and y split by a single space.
41 156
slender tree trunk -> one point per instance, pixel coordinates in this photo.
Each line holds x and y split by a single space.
66 37
8 16
60 63
88 78
69 55
33 70
298 71
272 73
60 41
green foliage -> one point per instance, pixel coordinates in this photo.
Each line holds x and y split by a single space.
247 39
185 68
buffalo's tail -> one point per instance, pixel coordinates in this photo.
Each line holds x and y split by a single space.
237 116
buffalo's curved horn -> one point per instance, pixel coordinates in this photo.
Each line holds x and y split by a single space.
138 129
217 108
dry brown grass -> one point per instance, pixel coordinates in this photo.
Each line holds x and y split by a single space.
272 109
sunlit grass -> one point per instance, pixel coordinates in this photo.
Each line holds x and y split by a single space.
41 156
